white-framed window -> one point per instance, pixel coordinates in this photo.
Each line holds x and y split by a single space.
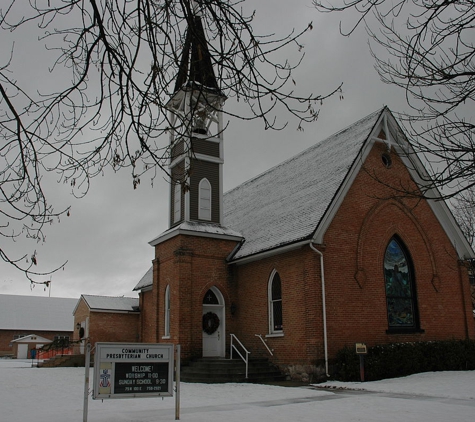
204 200
275 304
167 312
177 202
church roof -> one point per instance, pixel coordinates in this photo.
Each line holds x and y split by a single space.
296 200
288 201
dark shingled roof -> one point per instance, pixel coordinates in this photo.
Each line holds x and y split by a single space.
196 69
288 201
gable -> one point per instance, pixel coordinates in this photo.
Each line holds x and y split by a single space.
32 338
295 202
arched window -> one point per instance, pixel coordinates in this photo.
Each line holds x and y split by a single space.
401 297
177 202
204 200
210 298
275 304
167 312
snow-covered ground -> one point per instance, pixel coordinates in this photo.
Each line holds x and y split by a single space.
57 395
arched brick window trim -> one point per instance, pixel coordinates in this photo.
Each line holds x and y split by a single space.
223 293
400 288
360 275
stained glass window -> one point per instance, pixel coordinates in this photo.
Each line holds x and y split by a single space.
399 283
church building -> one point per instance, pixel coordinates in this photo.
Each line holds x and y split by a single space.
333 247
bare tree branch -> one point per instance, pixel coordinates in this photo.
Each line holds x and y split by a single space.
121 59
427 48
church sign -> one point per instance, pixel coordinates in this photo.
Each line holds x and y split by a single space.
123 370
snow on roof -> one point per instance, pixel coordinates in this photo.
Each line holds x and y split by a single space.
32 338
288 201
110 303
197 228
34 313
146 280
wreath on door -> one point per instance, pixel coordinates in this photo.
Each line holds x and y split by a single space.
210 322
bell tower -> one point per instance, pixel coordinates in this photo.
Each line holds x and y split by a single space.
196 135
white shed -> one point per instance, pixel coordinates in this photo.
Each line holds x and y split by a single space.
22 346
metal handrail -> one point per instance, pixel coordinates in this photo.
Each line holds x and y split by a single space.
232 346
264 343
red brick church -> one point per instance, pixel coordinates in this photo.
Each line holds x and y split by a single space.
325 250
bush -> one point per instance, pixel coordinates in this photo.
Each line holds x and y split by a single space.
401 359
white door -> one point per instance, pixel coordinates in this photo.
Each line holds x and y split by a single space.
22 352
214 334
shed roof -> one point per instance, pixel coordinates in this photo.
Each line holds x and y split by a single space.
32 338
36 313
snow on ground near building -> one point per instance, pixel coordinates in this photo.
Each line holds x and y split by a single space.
56 395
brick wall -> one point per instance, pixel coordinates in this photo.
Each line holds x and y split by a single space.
353 248
107 326
355 245
6 336
190 266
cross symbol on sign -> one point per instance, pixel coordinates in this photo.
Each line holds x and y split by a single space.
105 376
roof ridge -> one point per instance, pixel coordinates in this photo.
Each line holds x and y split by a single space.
111 297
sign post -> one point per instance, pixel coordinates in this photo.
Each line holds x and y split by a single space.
127 370
87 368
177 382
361 351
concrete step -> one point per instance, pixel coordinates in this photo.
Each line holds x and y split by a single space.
63 361
209 370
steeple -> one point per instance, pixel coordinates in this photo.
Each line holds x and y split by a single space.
196 69
196 140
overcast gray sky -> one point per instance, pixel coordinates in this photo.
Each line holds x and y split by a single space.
105 240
